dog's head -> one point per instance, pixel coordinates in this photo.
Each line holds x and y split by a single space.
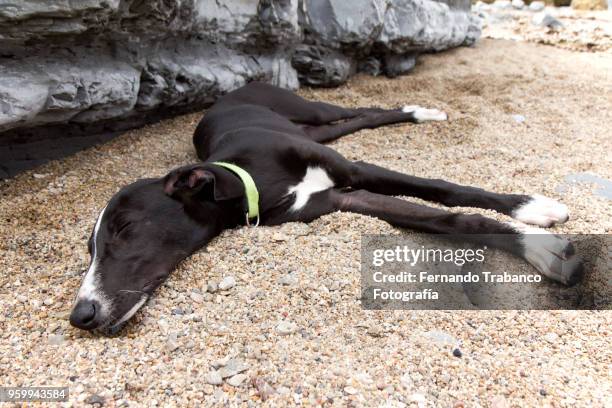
143 232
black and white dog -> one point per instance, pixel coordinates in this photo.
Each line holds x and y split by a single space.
277 137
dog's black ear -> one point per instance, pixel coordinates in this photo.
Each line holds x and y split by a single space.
208 182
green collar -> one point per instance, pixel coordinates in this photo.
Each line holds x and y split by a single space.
250 189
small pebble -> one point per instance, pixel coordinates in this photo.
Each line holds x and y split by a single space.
518 118
221 362
406 381
551 337
213 378
196 297
232 368
350 390
212 287
285 328
56 339
172 343
518 4
375 331
289 279
440 337
502 4
48 301
419 399
544 19
95 399
499 402
457 353
537 6
543 392
264 389
236 380
282 390
227 283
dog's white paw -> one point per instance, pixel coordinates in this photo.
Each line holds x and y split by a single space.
425 115
552 255
541 211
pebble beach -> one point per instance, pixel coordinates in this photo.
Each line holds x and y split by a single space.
271 315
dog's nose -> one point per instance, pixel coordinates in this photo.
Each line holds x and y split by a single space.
83 315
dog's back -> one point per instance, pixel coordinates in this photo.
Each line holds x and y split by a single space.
230 114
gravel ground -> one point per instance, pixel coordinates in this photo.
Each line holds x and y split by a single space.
291 330
586 31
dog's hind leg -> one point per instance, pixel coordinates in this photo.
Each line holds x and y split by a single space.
536 210
548 253
366 120
286 103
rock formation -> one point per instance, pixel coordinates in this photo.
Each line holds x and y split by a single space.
124 62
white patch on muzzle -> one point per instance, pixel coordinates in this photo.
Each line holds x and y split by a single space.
89 287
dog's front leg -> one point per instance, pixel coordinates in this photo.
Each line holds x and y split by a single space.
552 255
537 210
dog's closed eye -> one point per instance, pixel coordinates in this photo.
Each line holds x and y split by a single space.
122 228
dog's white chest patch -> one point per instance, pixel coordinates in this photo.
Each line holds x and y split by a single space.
315 180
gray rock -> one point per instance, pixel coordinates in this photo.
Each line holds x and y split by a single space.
95 399
236 380
396 65
321 66
481 6
544 19
502 4
212 287
537 6
518 118
177 311
518 4
603 186
338 23
371 66
65 88
424 25
233 367
227 283
172 342
111 61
